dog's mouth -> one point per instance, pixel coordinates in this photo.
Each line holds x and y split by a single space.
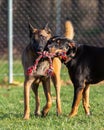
65 53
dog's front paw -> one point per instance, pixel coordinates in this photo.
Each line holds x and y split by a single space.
37 114
26 117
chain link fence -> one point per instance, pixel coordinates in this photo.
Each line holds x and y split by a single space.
87 17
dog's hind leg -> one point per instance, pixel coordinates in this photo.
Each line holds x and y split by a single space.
85 99
57 83
27 85
37 99
78 91
47 91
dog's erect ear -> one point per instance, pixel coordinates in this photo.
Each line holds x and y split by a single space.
46 28
31 30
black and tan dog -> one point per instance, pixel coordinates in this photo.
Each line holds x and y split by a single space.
85 66
38 40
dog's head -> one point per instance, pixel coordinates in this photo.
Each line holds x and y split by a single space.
39 37
61 45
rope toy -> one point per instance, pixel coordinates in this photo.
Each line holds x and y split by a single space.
43 54
62 55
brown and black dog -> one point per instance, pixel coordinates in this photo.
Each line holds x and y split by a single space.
38 40
85 66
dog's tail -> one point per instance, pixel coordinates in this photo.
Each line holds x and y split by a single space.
69 30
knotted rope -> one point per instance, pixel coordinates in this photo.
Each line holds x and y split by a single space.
43 54
62 55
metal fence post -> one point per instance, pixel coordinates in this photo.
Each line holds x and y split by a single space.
58 16
10 39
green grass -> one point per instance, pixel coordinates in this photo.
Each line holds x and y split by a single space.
11 111
11 107
17 71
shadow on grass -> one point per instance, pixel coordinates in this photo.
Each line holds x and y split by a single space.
4 116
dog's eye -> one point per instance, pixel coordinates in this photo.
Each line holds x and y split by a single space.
53 40
42 37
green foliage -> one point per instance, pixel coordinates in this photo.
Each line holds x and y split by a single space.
11 111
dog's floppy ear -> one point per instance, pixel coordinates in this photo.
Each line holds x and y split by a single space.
72 45
46 28
72 50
